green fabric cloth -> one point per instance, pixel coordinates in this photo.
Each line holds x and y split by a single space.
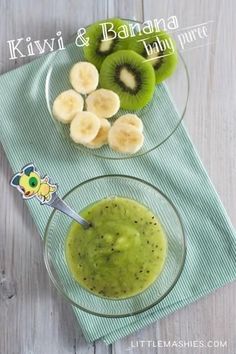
27 134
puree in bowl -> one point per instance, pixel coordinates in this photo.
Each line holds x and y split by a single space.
122 253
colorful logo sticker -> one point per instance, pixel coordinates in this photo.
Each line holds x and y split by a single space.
30 184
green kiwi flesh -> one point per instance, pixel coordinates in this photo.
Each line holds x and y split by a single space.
133 79
98 49
164 58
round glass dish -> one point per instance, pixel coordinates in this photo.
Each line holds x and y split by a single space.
94 190
161 116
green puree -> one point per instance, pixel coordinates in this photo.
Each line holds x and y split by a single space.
122 254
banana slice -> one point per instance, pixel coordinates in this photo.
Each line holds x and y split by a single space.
125 138
84 77
66 105
101 137
104 103
131 119
84 127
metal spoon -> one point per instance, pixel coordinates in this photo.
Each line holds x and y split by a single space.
57 203
31 185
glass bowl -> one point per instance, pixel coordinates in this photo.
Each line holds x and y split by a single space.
161 117
94 190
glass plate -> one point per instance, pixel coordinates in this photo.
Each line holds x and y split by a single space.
160 117
78 199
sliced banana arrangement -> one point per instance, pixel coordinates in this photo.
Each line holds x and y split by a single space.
104 103
84 77
125 138
102 135
66 105
84 127
130 119
91 127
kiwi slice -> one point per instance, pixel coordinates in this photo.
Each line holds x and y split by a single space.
126 73
98 50
160 49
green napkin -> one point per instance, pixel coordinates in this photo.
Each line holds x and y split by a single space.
27 133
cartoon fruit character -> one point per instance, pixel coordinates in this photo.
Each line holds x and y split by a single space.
30 184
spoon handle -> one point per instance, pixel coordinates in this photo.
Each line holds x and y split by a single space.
60 205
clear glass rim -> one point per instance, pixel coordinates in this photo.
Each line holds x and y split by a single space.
63 293
138 154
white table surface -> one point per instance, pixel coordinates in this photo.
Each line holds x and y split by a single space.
34 319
